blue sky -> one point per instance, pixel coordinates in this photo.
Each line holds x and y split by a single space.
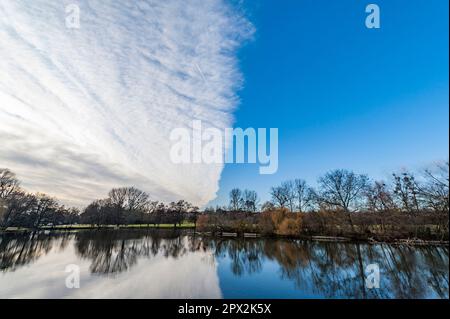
342 95
96 101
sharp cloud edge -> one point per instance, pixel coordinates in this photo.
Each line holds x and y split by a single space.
84 110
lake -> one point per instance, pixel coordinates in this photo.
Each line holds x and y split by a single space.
176 264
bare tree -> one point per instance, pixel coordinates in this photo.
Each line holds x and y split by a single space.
284 195
152 209
435 190
406 191
280 196
236 200
342 189
159 212
289 190
177 209
250 199
44 206
136 200
303 195
18 210
92 214
117 198
8 183
128 200
379 197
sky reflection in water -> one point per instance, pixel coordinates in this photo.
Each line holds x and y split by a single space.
171 264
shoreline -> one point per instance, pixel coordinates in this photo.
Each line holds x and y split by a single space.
235 235
342 239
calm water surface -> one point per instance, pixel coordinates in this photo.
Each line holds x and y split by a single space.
172 264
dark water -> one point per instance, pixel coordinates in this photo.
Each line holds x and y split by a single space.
170 264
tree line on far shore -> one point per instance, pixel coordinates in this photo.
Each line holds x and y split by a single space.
123 206
21 209
343 202
350 192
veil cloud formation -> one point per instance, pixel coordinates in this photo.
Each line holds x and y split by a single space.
84 110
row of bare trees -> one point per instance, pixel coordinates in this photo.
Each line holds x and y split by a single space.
341 193
344 190
18 208
129 205
343 203
126 205
246 200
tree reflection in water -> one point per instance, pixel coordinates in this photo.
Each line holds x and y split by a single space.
116 251
338 269
331 270
18 250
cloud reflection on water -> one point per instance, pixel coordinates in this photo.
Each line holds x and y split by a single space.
172 264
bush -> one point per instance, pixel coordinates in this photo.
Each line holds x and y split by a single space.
290 226
203 222
266 224
280 222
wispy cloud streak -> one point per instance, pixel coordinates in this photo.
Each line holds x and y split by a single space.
84 110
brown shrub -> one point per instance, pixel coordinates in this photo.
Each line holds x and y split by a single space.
265 224
278 216
281 222
241 226
203 223
290 226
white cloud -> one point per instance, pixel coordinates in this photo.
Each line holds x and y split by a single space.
193 275
84 110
